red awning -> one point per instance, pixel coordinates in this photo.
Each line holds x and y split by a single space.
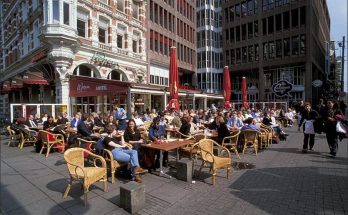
6 87
17 83
81 86
33 77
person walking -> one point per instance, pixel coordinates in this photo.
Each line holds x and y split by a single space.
307 120
330 122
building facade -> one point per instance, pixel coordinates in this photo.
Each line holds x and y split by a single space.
268 41
172 23
88 54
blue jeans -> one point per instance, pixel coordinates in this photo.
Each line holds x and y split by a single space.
126 155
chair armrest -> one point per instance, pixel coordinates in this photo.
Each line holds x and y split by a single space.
225 150
128 145
108 154
210 154
96 157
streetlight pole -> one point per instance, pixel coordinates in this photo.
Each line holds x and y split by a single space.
342 72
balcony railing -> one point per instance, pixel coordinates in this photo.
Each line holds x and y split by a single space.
121 51
138 56
104 6
105 47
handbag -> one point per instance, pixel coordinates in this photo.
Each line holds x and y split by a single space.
341 128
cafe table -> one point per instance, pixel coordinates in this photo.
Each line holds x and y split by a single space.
167 146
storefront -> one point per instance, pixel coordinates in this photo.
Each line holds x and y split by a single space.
97 95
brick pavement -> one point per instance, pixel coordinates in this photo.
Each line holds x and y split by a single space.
284 181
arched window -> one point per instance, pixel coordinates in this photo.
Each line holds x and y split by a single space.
116 75
84 70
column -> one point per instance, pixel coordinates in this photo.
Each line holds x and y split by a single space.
129 104
205 103
261 84
20 96
165 99
308 82
41 94
194 102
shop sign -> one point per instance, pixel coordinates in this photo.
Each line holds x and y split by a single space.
101 60
282 88
39 56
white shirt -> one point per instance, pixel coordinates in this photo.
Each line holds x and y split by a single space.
289 115
138 122
32 124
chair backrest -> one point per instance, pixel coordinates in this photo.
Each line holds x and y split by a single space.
147 125
233 139
74 157
250 135
206 149
198 137
10 131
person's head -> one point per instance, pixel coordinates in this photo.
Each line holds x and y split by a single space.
111 118
330 104
135 114
59 116
110 129
219 120
31 117
184 120
234 114
85 117
50 119
65 114
289 110
37 116
20 120
308 107
131 125
249 120
155 122
77 116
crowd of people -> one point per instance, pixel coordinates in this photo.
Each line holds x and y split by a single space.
114 131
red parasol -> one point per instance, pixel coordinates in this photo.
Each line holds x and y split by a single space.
173 81
227 88
244 93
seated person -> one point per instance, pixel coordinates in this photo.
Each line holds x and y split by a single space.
82 128
250 125
132 135
75 121
268 122
138 121
185 126
156 131
122 154
30 122
222 129
289 116
111 121
61 120
194 128
49 124
234 122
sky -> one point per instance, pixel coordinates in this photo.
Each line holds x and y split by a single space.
338 15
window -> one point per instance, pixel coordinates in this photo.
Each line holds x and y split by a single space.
255 7
135 11
303 44
244 33
55 6
286 43
134 46
101 36
303 16
256 28
238 56
294 18
286 20
250 7
270 25
278 20
272 50
81 28
119 41
256 52
233 58
250 30
295 45
264 26
66 8
279 50
244 9
238 33
238 12
120 5
265 51
251 53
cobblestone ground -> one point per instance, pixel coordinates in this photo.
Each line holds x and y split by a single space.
281 180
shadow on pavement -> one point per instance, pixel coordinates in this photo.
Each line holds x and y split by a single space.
8 202
292 190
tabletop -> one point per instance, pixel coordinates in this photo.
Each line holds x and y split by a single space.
167 146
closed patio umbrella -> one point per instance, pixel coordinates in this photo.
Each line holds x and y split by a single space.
227 88
173 81
244 93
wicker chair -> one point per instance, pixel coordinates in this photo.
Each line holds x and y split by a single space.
264 138
74 158
147 125
216 162
49 139
25 139
250 137
13 135
231 143
192 150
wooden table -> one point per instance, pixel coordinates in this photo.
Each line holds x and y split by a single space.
36 128
167 146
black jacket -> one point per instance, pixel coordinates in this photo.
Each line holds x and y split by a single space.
83 129
62 121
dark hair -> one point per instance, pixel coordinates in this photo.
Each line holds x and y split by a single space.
85 116
155 120
50 117
20 120
135 125
110 128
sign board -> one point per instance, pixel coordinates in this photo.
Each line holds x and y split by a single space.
282 88
317 83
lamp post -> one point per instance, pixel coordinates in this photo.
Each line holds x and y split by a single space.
342 45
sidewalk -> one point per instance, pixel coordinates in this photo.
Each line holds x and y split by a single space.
283 181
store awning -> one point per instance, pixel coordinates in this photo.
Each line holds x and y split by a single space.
17 82
81 86
34 77
6 87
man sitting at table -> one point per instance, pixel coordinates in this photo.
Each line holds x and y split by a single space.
61 120
30 122
75 121
234 122
250 125
83 129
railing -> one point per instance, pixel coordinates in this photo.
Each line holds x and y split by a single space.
104 6
139 56
121 51
121 15
105 47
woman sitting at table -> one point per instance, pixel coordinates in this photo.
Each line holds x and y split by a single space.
132 135
194 129
111 121
122 154
222 130
156 133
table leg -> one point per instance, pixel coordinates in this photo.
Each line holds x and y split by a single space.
161 173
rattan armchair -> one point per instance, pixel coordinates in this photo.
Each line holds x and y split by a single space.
13 135
48 142
264 138
74 158
192 150
216 162
250 137
25 139
231 143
